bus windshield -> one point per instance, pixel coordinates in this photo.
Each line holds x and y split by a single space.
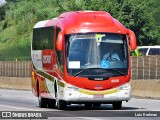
97 54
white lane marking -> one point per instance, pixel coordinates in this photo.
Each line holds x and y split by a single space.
21 108
87 118
155 110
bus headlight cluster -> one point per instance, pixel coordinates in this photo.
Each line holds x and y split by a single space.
126 86
71 87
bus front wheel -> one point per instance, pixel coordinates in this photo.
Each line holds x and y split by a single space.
117 105
51 103
96 104
88 105
61 105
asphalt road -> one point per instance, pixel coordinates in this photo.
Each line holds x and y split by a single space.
22 101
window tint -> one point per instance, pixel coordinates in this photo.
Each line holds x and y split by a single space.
43 38
143 50
154 51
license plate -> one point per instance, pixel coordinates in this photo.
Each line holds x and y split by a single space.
98 96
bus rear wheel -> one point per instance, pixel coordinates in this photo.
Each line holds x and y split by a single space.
117 105
42 102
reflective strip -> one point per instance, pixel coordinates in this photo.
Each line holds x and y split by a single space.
45 75
98 92
61 84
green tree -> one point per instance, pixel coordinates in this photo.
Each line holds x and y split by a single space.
2 12
12 0
153 10
133 15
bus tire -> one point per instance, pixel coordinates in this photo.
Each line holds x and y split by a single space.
51 103
96 104
60 104
42 102
88 105
117 105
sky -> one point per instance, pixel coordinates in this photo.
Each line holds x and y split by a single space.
2 2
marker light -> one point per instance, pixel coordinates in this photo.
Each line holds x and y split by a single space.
71 87
125 87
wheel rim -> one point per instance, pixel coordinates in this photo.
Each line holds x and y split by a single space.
57 100
39 100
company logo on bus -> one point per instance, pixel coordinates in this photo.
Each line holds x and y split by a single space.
98 87
47 59
98 78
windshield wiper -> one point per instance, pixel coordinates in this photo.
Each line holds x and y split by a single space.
99 68
116 71
84 70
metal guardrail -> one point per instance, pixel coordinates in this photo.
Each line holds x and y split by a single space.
15 68
144 67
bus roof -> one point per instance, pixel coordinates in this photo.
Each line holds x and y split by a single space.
85 21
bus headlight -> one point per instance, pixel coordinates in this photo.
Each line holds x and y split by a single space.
71 87
126 86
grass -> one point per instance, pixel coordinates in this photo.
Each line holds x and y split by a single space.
14 46
15 37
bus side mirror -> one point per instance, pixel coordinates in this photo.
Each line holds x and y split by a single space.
132 40
60 40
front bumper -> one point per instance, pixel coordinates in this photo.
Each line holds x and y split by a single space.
74 94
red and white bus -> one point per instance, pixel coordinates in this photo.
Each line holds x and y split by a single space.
81 57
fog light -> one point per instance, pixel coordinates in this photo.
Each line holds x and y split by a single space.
71 87
125 87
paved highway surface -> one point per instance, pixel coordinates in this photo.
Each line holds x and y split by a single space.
15 100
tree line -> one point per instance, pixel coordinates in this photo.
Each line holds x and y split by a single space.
141 16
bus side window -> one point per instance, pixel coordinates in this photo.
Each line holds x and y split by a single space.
43 38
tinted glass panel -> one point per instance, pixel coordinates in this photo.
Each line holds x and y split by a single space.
43 38
154 51
143 50
94 52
